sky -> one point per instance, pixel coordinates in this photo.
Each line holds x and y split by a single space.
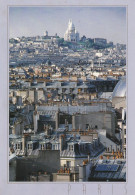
93 22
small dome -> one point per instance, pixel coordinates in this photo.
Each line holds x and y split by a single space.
120 88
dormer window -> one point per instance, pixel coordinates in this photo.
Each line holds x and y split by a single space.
29 146
71 148
49 146
18 146
42 146
53 147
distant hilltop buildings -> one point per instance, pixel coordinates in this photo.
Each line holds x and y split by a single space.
71 34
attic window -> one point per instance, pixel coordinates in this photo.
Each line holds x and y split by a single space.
71 148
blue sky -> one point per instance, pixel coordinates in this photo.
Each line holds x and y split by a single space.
104 22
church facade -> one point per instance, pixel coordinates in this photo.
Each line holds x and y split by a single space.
71 34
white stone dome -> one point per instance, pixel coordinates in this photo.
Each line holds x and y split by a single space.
120 88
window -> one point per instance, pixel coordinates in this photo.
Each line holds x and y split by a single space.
70 147
71 90
29 146
64 89
82 147
68 164
17 146
79 90
53 147
21 145
85 90
124 140
42 146
56 147
49 146
125 131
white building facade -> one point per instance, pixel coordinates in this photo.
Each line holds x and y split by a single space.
71 34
